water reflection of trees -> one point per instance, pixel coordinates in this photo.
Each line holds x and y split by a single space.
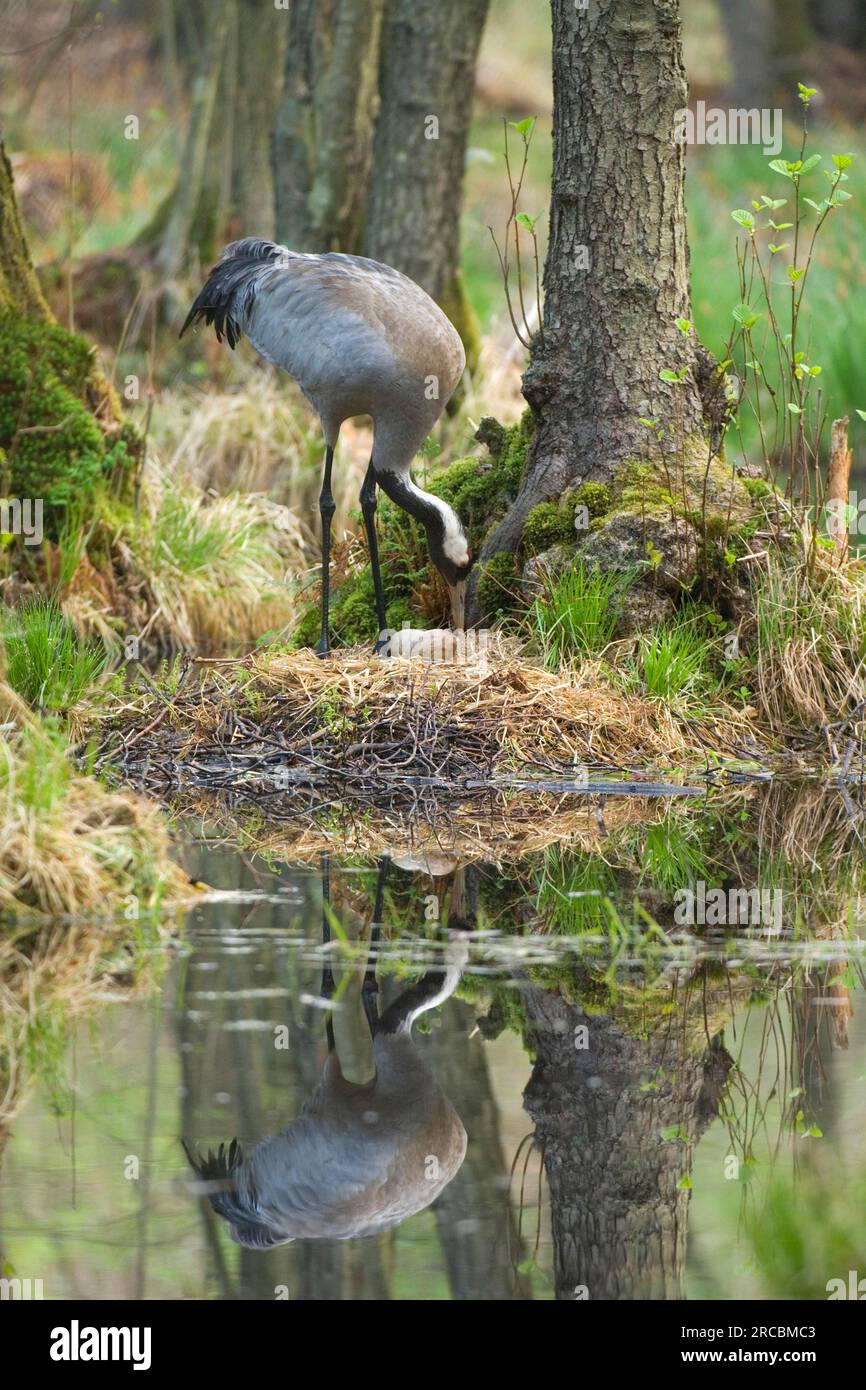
683 1027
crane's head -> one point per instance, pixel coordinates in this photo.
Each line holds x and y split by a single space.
451 553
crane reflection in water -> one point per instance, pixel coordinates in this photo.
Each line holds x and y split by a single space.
378 1140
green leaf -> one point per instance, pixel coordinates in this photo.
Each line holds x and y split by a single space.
810 163
774 250
685 1182
684 325
794 274
781 166
773 203
842 161
862 414
779 226
744 218
523 127
819 207
524 220
667 375
745 315
805 93
794 408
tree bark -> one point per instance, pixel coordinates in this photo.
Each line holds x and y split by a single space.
19 286
426 84
840 21
192 169
323 136
617 271
262 36
749 29
619 1216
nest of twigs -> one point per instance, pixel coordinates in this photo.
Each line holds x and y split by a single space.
358 729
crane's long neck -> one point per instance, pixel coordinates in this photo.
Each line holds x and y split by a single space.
440 521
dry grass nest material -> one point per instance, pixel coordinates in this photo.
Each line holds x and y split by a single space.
369 726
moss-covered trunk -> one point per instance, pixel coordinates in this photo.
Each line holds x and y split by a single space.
426 84
19 287
617 272
61 438
323 137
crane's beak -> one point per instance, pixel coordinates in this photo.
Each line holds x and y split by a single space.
458 605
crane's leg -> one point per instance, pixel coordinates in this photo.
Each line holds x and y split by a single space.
327 972
371 986
327 507
368 511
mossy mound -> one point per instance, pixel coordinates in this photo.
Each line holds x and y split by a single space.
59 421
547 524
708 493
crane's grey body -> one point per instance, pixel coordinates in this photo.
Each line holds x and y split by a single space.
360 339
358 1159
364 1154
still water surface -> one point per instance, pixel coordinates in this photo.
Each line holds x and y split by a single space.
484 1082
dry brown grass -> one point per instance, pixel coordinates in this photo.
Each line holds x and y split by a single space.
365 754
68 845
531 713
811 639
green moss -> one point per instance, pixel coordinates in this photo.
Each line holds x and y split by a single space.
308 629
691 486
715 527
757 488
56 449
595 497
482 489
497 585
547 524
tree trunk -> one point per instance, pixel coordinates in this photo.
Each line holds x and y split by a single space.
262 36
619 1215
617 271
324 130
840 21
793 45
19 287
749 29
192 169
426 84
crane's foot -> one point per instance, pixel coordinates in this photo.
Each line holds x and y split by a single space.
323 649
383 646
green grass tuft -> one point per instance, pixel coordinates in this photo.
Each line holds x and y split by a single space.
47 663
